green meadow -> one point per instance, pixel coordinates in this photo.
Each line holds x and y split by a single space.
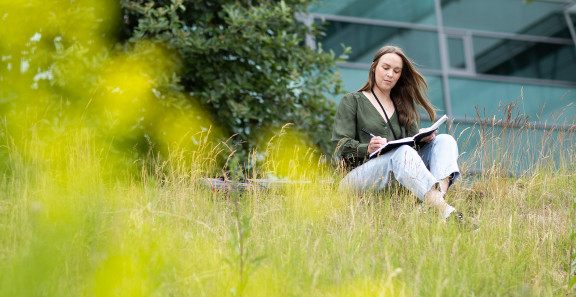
104 157
78 218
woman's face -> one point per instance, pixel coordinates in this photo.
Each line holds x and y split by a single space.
388 71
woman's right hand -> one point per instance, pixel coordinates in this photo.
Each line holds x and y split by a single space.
376 143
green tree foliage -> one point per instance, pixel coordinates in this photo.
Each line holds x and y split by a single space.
246 62
161 75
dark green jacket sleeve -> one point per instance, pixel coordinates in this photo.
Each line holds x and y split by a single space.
345 137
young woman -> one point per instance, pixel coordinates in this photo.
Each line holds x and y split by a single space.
386 107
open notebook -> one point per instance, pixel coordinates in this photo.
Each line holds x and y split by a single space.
412 140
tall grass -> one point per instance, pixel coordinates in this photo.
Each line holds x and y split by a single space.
77 221
511 142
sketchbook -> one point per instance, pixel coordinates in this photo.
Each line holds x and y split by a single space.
412 141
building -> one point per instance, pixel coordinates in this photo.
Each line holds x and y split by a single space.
482 60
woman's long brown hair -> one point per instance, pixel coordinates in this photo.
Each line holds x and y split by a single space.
410 88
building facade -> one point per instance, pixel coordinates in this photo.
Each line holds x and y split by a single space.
482 59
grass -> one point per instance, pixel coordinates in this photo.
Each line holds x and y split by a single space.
76 221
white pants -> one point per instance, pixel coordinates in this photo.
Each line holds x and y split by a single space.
418 171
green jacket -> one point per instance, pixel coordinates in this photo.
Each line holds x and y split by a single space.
354 113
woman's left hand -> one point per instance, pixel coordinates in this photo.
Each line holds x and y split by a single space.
430 137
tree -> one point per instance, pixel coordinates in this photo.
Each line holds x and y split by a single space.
245 62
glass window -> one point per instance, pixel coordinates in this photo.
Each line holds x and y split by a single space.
536 101
410 11
436 94
524 59
353 79
507 16
572 17
456 53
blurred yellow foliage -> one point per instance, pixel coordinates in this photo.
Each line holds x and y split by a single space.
61 72
128 94
84 21
289 155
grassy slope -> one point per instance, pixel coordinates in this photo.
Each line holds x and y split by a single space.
74 222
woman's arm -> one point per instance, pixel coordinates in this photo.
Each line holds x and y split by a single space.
344 134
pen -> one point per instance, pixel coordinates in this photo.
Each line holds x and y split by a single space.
367 132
